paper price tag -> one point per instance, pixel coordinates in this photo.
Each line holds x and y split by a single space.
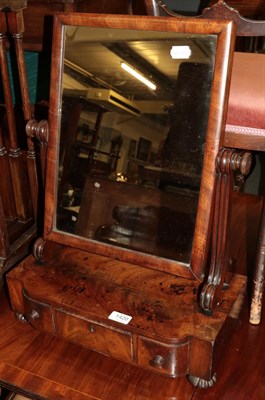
119 317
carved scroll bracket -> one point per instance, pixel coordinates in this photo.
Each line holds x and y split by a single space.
39 130
228 162
38 249
45 250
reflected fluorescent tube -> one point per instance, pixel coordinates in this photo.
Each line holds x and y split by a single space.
180 52
138 76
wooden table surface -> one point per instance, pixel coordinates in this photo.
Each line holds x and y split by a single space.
44 367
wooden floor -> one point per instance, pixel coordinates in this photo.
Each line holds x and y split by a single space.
44 367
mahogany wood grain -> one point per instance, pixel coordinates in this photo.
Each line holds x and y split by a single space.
110 284
52 369
45 367
75 293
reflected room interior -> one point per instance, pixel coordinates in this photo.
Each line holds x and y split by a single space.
135 109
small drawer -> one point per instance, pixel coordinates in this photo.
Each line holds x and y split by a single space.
165 359
94 336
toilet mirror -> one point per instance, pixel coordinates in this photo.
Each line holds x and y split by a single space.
137 112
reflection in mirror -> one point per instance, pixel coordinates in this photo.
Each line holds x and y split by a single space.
134 120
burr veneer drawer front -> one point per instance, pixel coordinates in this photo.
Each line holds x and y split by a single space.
94 336
165 359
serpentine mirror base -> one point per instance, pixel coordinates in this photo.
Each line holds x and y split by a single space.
134 314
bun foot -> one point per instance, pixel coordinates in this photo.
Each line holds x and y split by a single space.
202 383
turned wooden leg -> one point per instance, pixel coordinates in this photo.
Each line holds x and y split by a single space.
259 275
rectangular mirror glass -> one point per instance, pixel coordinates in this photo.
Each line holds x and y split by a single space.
131 162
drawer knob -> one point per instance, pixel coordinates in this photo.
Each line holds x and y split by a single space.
91 328
26 318
21 318
157 362
34 315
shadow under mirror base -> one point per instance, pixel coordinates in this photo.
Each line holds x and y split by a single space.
134 314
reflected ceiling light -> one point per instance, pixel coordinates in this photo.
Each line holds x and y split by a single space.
138 76
180 52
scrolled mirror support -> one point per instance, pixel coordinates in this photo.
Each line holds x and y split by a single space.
40 130
38 249
228 162
44 251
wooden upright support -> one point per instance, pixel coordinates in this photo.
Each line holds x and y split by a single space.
15 28
18 173
18 184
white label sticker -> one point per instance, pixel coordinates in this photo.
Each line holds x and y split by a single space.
119 317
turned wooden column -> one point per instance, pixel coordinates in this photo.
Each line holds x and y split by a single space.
228 162
15 28
18 173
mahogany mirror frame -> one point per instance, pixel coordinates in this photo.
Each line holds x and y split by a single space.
225 32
